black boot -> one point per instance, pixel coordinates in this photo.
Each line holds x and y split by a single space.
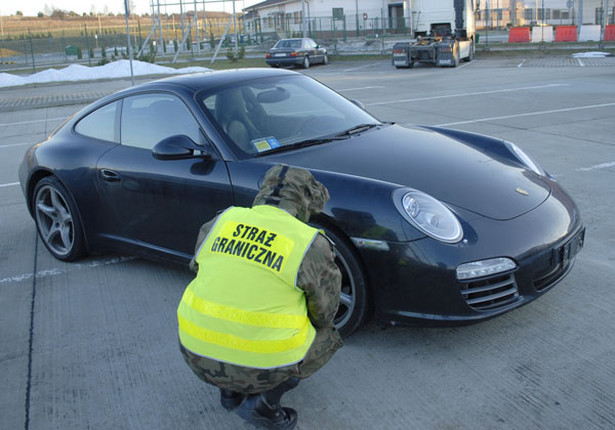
274 395
230 399
257 411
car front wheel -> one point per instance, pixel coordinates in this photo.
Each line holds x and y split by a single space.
56 219
354 300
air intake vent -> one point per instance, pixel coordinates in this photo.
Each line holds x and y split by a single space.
551 278
490 293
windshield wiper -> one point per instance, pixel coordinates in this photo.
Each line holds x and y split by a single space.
357 129
346 134
303 143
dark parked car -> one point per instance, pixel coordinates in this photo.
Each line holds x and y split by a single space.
296 52
432 226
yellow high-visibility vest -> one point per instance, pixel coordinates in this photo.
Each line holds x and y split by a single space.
244 307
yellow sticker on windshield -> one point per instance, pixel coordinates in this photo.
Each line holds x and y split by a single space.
265 143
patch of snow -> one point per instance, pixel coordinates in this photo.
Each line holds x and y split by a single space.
77 72
594 54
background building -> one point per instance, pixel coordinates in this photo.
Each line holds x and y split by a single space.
325 19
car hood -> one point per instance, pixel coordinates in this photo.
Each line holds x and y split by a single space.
451 170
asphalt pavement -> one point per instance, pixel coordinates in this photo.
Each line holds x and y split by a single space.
93 344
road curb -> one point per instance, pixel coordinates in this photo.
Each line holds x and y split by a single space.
52 100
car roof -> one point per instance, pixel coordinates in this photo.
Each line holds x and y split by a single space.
207 80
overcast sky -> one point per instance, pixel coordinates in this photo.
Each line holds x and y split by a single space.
32 7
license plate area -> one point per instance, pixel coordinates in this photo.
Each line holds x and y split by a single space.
566 252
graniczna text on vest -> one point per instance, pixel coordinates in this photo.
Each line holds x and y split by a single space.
253 244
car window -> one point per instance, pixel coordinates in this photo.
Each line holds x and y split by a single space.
263 114
288 43
301 101
149 118
100 124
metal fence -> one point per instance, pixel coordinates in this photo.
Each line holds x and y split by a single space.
90 43
351 26
328 27
94 44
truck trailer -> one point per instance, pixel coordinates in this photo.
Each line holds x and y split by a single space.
443 33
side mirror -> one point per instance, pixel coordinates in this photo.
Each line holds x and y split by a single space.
178 147
358 103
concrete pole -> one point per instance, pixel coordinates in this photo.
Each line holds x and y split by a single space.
160 29
181 15
198 35
513 13
235 28
132 76
205 22
303 19
605 21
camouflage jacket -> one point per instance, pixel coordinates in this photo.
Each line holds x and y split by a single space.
297 192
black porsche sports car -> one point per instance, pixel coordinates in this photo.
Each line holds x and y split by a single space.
432 226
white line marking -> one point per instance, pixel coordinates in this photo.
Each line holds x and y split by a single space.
358 68
10 184
361 88
582 64
56 271
544 112
35 121
466 94
521 63
597 167
11 145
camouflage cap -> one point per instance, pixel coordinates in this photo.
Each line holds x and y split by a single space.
294 190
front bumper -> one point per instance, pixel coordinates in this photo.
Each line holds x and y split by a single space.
416 282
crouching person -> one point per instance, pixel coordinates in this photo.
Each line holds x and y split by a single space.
258 317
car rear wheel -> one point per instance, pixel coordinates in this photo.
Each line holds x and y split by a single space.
56 219
306 62
353 308
325 60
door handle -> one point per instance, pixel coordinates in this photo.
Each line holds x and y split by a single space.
109 175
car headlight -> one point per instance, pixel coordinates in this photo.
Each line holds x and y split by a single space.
479 269
428 215
524 158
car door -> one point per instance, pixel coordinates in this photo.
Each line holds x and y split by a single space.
312 48
157 204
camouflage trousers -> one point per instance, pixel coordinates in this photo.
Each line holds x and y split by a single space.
252 381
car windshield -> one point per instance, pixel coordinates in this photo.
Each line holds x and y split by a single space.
288 43
281 112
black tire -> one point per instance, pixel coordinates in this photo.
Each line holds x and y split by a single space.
354 298
325 60
306 62
57 220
